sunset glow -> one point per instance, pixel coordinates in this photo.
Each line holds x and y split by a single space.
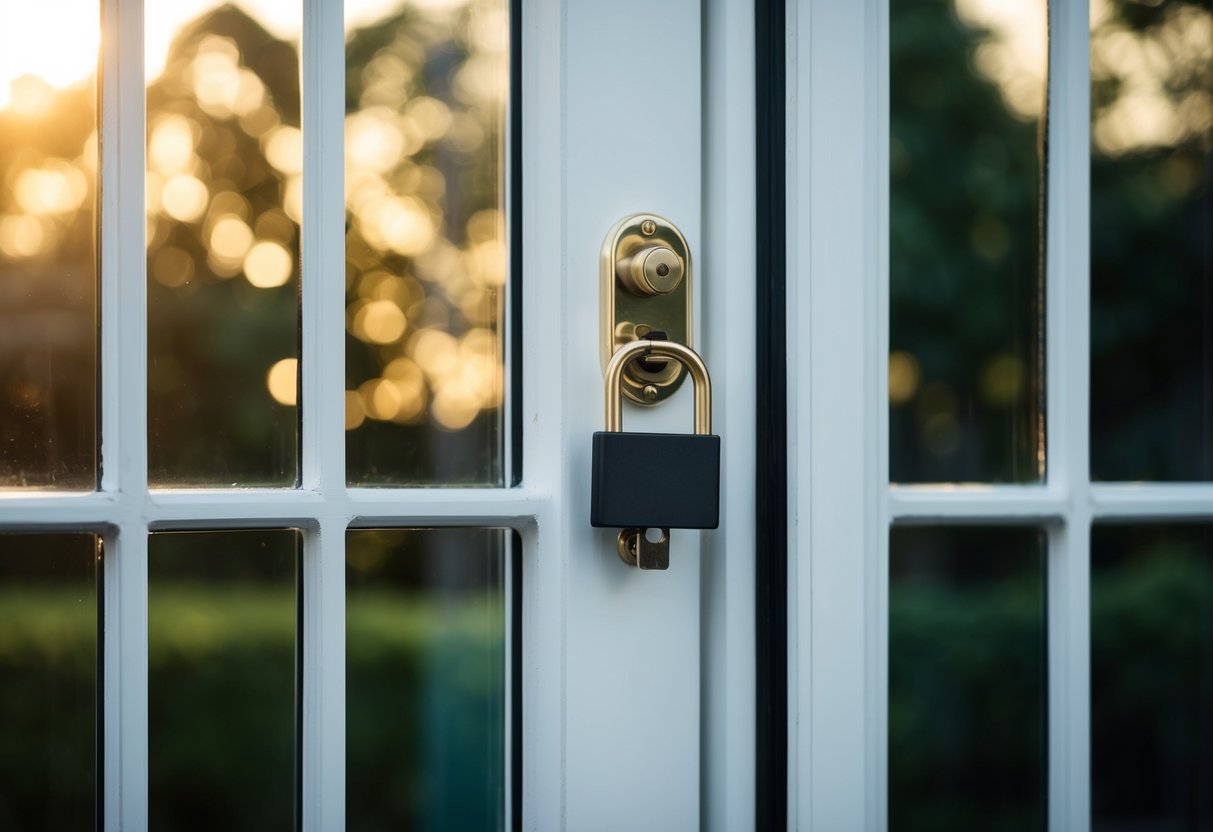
28 67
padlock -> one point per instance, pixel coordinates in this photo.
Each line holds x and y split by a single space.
656 480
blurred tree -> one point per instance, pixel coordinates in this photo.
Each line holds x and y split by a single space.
965 258
229 89
425 246
1152 241
48 287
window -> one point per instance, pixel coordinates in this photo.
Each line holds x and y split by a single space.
217 510
1050 320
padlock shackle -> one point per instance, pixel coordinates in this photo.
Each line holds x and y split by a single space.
667 349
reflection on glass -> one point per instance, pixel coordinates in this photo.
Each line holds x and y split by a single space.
49 681
48 248
425 679
967 679
425 245
967 87
224 192
1152 677
1152 240
222 679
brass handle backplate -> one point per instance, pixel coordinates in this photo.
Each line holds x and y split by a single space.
646 287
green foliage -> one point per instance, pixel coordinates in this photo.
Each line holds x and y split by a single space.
968 690
425 715
48 709
1152 263
1152 676
425 710
967 724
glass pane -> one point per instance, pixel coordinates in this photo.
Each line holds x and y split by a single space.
966 386
1152 677
223 671
224 196
1152 240
425 246
48 244
967 679
425 679
50 659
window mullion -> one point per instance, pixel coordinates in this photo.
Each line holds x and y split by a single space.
976 504
1068 372
322 250
322 382
124 415
1151 501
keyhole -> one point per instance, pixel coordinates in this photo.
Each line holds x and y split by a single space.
663 269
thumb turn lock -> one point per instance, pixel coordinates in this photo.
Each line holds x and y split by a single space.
645 278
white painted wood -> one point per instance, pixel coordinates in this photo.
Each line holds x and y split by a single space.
1068 310
322 367
931 505
876 146
123 407
545 558
835 370
726 275
632 142
1154 501
22 511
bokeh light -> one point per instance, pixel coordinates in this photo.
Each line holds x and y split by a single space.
282 380
427 83
426 249
223 200
267 264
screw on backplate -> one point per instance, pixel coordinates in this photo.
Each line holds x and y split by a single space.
650 393
648 228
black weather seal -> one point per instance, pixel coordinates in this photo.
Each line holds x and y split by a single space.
771 544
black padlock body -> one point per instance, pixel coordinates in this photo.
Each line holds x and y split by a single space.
655 480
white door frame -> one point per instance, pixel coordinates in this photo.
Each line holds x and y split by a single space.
637 687
837 342
639 745
842 505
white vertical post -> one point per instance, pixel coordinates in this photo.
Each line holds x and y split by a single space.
322 368
836 368
726 275
124 414
1068 300
876 333
545 557
632 136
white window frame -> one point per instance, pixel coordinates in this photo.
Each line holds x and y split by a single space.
842 505
124 510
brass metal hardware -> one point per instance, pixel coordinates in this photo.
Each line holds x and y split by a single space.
683 355
655 270
645 278
637 550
